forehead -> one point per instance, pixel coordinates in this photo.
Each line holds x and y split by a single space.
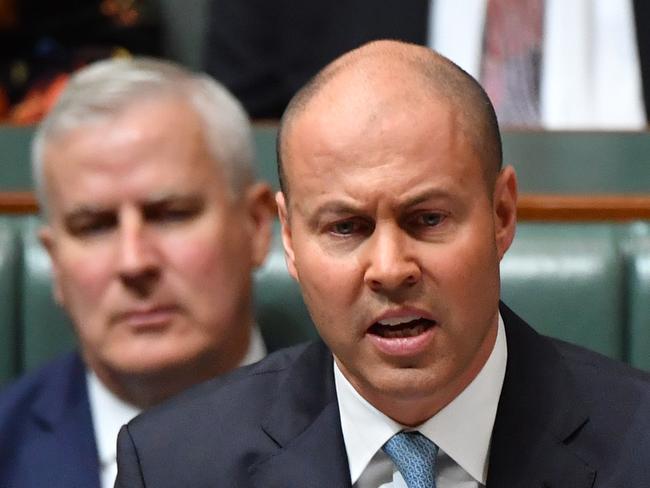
151 146
377 131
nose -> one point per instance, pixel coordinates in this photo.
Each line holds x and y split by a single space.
138 267
391 265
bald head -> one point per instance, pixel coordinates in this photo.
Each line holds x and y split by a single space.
385 74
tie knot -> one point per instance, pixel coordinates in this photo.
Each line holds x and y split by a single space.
415 457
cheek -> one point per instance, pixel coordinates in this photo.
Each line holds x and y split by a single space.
84 276
193 252
332 288
208 264
327 278
467 281
473 257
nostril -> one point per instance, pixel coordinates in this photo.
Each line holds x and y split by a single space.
412 279
141 282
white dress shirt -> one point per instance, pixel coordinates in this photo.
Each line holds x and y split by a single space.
462 430
590 74
109 412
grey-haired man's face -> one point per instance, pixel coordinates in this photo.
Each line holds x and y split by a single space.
152 254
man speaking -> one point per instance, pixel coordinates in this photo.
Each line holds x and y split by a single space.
396 212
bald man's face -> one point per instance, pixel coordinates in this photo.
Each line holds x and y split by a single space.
395 240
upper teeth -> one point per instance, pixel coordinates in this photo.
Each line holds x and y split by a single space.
399 320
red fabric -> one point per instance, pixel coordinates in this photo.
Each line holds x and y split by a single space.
512 57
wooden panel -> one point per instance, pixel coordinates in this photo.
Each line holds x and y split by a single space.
18 202
544 207
531 207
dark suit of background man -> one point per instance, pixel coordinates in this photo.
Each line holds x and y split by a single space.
395 214
265 51
153 224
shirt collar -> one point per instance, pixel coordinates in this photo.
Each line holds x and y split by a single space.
109 413
462 429
256 348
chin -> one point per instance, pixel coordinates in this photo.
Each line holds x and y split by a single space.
152 361
405 383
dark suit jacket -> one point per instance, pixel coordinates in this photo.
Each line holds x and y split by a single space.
567 418
46 432
264 51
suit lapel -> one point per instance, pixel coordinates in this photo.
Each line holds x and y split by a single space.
538 417
304 422
66 443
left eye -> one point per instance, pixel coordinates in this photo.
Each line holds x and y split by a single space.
177 213
429 219
171 213
344 228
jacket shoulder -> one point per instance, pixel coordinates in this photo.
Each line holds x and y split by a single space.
45 422
18 396
218 423
243 393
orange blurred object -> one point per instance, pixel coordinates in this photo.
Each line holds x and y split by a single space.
4 104
8 15
38 102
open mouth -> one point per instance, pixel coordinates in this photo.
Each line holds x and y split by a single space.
398 329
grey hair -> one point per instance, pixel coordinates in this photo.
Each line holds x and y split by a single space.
102 89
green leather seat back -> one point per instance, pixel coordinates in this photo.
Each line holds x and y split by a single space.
265 156
46 328
9 299
566 280
279 308
15 170
546 161
638 268
572 162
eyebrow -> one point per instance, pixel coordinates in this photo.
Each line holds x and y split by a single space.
342 207
86 210
425 196
336 207
85 215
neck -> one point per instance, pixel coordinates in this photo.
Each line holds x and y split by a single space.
149 388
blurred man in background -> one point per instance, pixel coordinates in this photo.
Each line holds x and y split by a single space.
154 224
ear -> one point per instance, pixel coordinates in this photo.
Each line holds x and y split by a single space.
505 209
261 209
46 237
287 241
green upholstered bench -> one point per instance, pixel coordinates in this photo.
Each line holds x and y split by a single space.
567 280
637 251
46 330
279 308
9 298
546 162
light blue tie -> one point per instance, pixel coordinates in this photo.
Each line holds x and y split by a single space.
415 457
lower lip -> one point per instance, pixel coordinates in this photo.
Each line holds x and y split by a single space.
153 319
403 346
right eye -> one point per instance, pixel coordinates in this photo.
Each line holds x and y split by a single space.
349 227
89 226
